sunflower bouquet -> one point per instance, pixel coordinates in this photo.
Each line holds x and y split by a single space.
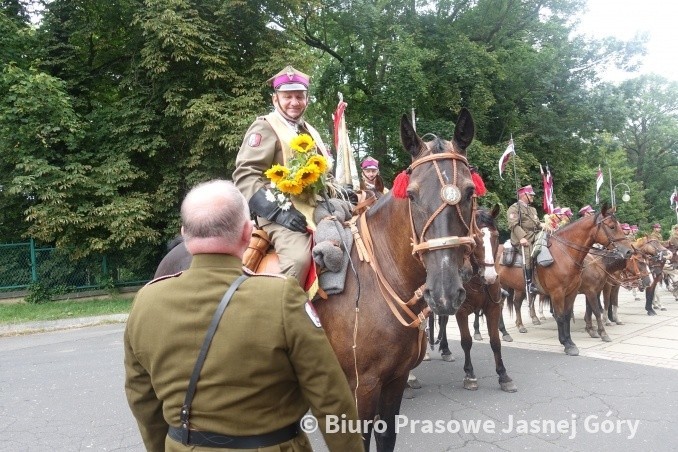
303 174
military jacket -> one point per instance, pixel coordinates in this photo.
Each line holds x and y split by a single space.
655 236
267 364
673 240
523 221
261 149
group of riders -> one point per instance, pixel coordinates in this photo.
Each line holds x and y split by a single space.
267 143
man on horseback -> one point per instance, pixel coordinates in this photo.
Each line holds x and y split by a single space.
524 224
586 211
267 143
656 233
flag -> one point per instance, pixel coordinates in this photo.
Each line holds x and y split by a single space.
346 172
599 183
674 197
547 181
505 157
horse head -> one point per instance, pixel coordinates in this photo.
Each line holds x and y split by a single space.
608 232
441 196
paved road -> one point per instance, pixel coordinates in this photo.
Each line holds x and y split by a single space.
63 390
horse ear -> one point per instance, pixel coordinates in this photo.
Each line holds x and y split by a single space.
495 211
409 138
464 131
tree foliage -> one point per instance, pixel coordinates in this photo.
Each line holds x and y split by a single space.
112 109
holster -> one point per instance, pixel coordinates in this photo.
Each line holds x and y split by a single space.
256 250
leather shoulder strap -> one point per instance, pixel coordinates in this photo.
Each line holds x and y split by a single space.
190 392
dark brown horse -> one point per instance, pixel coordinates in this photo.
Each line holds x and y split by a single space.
483 297
569 246
601 266
374 348
376 326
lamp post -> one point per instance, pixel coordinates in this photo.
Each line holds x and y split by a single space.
625 197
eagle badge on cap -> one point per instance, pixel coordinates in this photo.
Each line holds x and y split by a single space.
310 310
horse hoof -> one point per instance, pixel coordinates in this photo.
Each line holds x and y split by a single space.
542 318
522 329
507 338
413 383
535 321
572 350
427 357
651 312
477 337
448 357
508 386
605 338
663 309
471 384
618 322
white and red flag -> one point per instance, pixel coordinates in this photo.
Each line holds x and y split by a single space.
505 157
547 181
674 197
599 183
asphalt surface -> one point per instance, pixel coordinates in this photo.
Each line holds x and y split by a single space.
62 389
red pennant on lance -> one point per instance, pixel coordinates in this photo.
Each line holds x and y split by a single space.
505 157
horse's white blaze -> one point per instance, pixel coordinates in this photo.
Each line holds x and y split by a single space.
490 272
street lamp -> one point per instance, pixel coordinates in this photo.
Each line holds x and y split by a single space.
626 197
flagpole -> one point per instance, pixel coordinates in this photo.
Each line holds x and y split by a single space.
614 201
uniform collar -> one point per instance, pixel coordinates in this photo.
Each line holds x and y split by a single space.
215 260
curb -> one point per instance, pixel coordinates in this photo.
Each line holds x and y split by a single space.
16 329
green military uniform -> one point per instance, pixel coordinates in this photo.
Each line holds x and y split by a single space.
655 235
673 240
267 143
523 222
268 362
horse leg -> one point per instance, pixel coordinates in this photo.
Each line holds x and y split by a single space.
492 318
588 319
649 296
597 311
444 347
563 321
476 328
656 302
505 334
614 302
470 380
518 297
533 314
368 399
389 408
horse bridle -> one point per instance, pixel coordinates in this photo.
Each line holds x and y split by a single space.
600 221
450 196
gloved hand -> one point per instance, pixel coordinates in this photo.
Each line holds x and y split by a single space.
292 219
348 194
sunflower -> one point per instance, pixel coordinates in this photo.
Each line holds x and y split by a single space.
318 161
302 143
277 173
307 175
291 187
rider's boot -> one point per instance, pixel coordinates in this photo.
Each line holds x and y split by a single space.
530 285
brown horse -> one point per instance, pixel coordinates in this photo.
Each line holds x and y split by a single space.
374 347
483 295
569 246
655 255
601 267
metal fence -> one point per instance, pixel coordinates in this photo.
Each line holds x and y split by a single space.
24 264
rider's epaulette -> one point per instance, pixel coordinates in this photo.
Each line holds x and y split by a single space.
251 273
160 278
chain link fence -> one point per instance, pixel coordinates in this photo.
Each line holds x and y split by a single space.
23 265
